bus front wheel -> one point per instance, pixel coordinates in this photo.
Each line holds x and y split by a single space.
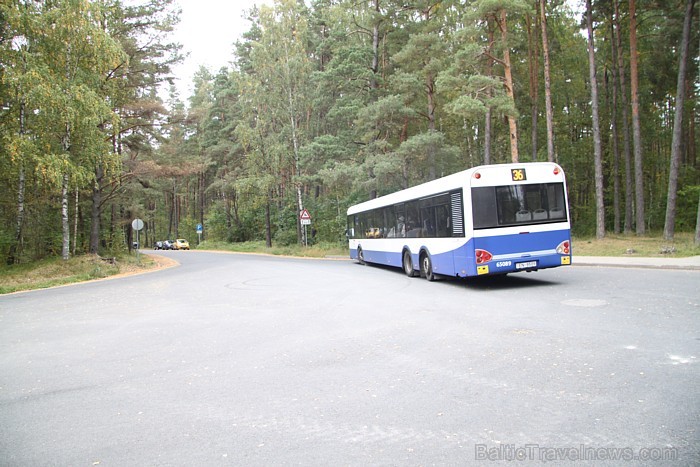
408 264
427 267
361 256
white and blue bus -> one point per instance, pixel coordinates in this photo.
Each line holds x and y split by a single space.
491 219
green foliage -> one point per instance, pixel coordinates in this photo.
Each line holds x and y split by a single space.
53 272
66 83
326 104
687 207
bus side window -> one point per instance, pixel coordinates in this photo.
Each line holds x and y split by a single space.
400 225
444 227
413 227
428 216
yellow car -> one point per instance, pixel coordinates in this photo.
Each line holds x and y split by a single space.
181 244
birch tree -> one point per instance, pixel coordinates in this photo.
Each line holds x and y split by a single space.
82 54
17 78
280 86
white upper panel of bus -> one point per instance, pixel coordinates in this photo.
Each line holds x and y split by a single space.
484 175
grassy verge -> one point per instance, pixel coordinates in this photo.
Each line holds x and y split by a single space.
321 250
54 271
631 245
612 245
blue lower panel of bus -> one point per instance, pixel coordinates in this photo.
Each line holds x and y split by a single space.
510 253
521 252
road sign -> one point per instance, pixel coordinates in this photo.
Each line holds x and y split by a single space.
137 224
199 228
305 217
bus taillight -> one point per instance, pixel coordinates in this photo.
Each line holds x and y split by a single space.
564 248
482 256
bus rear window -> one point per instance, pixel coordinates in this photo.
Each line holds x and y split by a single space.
503 206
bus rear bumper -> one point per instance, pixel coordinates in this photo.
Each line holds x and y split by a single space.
520 264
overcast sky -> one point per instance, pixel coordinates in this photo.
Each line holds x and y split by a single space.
207 30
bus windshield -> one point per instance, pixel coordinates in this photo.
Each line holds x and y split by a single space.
509 205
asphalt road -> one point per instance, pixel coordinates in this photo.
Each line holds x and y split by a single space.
253 360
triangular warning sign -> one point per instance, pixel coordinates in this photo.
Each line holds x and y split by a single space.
305 215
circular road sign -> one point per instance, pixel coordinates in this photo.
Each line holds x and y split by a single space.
137 224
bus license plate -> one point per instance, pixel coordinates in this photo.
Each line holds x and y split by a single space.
526 265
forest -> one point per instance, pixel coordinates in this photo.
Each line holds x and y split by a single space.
326 103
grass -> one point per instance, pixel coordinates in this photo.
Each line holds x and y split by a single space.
55 271
612 245
631 245
321 250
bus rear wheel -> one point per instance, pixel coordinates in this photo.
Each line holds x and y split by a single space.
427 267
408 264
361 256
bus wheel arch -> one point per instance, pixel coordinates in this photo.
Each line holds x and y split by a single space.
407 263
361 256
426 266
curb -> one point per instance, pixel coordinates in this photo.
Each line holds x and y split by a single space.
687 264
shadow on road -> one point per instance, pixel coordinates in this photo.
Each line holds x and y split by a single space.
480 283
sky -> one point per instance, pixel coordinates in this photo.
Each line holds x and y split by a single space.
207 31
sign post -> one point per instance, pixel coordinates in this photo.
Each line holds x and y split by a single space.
137 225
200 229
305 219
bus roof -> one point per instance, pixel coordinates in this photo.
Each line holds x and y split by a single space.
500 175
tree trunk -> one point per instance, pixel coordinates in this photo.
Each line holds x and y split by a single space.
488 135
636 124
432 162
126 225
375 47
202 197
297 168
178 210
16 247
75 220
692 148
533 65
268 224
597 146
615 137
551 155
227 211
669 223
510 90
171 211
488 129
430 88
627 153
65 227
697 225
65 223
96 210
